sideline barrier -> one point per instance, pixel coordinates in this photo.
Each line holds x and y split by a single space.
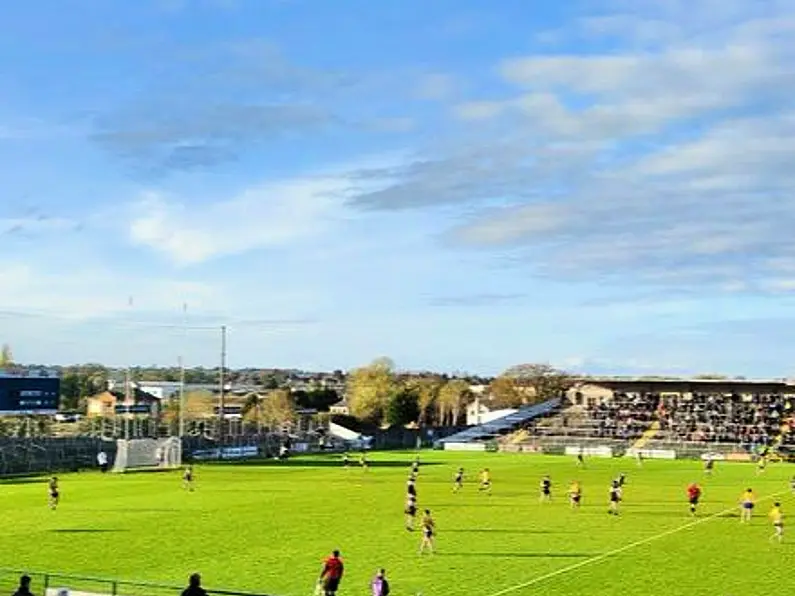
464 446
713 456
651 453
65 584
601 451
511 448
744 457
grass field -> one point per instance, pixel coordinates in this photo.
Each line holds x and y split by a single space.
267 527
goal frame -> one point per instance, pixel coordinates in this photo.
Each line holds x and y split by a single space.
147 454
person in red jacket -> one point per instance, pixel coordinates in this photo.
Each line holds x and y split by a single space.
331 574
693 495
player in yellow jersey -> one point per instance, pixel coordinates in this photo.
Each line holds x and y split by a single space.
747 501
777 517
485 481
54 492
575 494
428 532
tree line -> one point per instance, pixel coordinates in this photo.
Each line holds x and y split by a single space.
377 394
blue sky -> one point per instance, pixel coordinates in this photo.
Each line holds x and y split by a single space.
461 185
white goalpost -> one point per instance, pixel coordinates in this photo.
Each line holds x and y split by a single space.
133 454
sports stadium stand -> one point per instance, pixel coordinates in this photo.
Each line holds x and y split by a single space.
747 416
504 425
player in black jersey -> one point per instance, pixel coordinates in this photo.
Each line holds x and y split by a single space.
458 480
411 511
546 489
411 487
615 497
187 478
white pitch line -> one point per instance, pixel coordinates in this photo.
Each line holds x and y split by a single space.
618 551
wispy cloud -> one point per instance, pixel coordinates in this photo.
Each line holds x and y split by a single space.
475 300
437 86
666 164
185 136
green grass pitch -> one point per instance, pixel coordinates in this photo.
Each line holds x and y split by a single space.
267 527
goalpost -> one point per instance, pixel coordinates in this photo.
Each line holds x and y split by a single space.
148 453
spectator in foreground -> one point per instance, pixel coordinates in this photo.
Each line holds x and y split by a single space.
331 574
102 461
380 585
194 586
24 587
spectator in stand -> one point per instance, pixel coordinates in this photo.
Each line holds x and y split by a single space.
380 585
24 587
194 586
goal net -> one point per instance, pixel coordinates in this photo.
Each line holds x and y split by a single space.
147 453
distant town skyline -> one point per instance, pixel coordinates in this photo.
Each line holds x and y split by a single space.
606 186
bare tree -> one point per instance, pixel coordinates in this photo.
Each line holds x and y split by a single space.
543 381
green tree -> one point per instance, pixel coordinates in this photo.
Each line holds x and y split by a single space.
199 404
319 399
453 398
427 390
278 408
506 392
6 357
369 389
403 407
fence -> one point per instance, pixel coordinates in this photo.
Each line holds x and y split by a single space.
35 456
20 456
557 444
52 584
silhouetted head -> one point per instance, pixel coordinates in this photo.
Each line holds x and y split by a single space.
195 580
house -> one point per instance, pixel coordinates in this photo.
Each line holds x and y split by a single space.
340 408
477 413
108 404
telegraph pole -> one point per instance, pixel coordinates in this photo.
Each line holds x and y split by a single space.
222 388
182 372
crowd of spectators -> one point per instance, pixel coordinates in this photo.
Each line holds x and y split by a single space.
625 416
750 421
753 420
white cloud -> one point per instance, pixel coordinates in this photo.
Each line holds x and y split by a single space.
271 215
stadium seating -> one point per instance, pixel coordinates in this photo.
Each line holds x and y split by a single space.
751 421
505 424
744 420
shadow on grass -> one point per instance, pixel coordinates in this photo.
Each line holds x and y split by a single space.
37 479
312 463
136 471
132 510
494 555
86 531
501 531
